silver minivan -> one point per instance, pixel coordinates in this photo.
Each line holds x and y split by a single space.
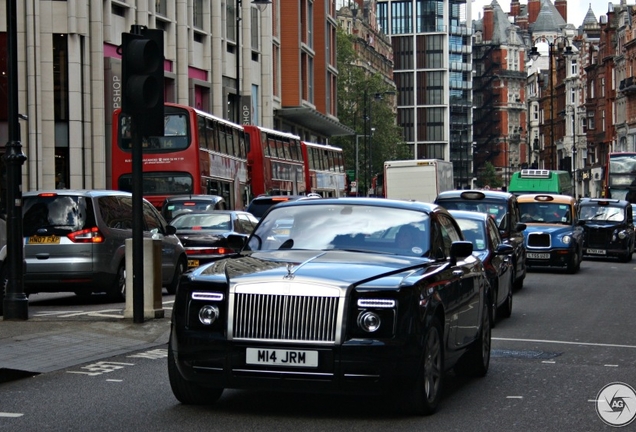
74 240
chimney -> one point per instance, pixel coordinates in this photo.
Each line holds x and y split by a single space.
534 7
515 8
489 23
562 7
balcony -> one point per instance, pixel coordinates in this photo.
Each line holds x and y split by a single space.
627 86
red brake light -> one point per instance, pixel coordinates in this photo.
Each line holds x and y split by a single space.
280 199
47 194
89 235
189 204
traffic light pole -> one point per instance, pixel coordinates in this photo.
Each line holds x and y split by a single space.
15 305
142 84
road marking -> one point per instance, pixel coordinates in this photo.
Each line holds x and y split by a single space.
101 367
168 302
67 314
152 354
114 380
609 365
566 342
514 397
548 361
11 415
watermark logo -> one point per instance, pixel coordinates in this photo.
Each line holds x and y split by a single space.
616 404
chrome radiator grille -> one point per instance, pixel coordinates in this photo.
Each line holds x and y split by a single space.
284 317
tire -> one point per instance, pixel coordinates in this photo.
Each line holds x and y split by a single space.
118 290
427 391
476 361
575 263
186 392
178 271
505 310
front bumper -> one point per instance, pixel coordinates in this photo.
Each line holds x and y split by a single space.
355 367
549 258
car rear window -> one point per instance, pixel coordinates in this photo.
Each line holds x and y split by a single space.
259 206
57 214
172 209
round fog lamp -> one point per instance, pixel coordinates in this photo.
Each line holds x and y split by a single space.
369 321
622 235
208 314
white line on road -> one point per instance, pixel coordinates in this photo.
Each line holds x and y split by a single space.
12 415
114 380
566 342
548 361
514 397
609 365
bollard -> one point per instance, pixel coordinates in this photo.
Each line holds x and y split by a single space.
153 307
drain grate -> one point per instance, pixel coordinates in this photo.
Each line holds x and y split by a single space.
524 354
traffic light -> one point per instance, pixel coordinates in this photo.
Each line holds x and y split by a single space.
142 79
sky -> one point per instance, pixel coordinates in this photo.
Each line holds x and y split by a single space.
577 9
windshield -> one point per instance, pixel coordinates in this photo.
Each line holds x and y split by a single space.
544 212
497 209
344 227
602 213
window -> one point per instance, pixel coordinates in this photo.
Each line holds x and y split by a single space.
401 17
197 14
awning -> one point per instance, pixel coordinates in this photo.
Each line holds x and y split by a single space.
311 119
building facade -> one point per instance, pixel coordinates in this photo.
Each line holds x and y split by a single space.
230 58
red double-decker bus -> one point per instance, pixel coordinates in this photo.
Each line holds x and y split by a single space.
324 169
198 154
275 162
620 176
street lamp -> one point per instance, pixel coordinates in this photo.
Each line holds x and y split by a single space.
243 110
534 55
574 124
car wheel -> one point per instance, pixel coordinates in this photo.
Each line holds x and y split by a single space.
575 262
178 271
476 361
626 257
427 391
187 392
118 290
505 310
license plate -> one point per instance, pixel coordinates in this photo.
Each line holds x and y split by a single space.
280 357
193 263
534 255
43 239
597 251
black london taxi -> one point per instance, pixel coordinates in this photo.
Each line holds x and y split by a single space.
608 228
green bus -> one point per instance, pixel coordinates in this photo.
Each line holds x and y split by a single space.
529 181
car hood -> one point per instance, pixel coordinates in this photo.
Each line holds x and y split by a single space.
547 228
339 268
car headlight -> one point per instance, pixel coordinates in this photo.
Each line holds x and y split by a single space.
208 314
369 321
566 239
622 235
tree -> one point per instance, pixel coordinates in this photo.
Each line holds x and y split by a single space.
488 177
363 103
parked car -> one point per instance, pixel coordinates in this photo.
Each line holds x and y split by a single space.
608 228
204 235
552 236
490 248
175 205
340 305
74 240
503 207
259 205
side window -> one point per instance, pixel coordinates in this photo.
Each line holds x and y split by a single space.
151 221
495 238
449 234
116 211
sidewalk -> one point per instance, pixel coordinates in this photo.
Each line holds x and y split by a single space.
48 343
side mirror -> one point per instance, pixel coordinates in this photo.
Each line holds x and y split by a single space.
460 249
504 249
170 230
236 241
520 226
